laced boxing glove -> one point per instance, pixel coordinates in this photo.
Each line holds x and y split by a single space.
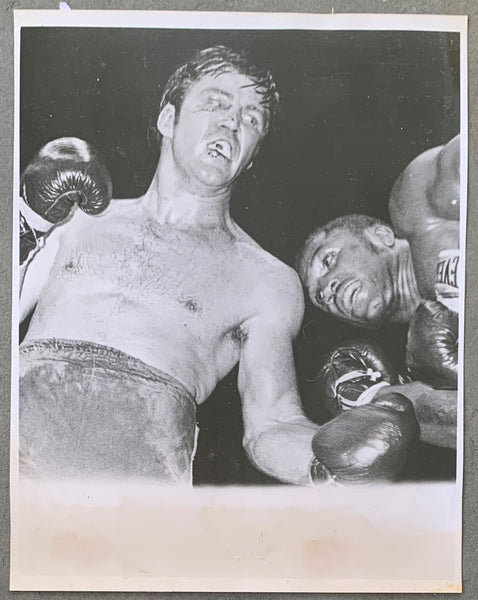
352 374
65 172
365 445
432 345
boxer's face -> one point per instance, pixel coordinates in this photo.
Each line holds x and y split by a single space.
351 279
218 130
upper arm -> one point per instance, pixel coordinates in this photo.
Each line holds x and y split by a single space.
37 272
267 379
445 192
428 189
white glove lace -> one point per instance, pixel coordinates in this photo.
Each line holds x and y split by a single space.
367 395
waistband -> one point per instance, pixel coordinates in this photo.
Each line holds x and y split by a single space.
100 356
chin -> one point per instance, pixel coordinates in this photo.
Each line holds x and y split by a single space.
215 178
377 320
375 324
366 321
360 322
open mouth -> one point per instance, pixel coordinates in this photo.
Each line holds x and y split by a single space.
220 148
347 294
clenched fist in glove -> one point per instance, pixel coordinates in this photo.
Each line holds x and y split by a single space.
365 445
352 374
432 345
65 172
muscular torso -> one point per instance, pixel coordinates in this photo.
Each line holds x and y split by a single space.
178 299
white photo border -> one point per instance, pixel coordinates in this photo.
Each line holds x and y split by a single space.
219 498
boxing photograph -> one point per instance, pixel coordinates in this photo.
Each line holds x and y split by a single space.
238 257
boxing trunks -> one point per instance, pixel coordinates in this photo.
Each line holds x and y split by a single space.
447 283
90 411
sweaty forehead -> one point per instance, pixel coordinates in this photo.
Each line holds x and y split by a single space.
337 237
228 82
321 242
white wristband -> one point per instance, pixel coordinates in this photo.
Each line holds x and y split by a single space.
34 219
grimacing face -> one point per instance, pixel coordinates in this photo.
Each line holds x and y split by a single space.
350 278
217 133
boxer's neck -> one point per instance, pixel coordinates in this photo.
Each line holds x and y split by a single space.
406 284
174 201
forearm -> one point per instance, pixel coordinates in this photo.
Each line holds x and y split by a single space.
284 450
21 276
27 301
436 412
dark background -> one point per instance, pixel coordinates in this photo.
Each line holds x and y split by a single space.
356 108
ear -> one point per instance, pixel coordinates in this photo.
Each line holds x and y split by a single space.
255 153
381 235
166 120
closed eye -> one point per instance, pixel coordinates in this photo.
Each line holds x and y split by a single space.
214 99
255 118
250 119
329 258
215 104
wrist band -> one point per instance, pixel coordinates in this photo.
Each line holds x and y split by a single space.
30 241
34 220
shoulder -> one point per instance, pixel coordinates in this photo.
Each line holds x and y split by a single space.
115 212
276 289
278 277
271 270
118 208
409 204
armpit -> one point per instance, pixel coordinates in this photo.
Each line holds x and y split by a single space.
238 335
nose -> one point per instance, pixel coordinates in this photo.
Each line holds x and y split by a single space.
231 119
326 291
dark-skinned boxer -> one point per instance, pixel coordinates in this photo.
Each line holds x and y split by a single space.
142 309
368 273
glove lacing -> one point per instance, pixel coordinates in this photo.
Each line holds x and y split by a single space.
367 395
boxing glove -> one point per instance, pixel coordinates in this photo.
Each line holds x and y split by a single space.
351 375
65 172
365 445
432 345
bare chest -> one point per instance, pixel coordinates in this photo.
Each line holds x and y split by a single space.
196 274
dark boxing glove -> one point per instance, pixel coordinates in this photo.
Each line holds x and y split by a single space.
352 374
65 172
432 345
365 445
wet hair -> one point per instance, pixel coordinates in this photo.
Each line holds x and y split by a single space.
216 61
355 223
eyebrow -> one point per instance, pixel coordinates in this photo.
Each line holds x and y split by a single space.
216 90
318 250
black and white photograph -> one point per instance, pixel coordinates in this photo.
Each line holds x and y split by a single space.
238 302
